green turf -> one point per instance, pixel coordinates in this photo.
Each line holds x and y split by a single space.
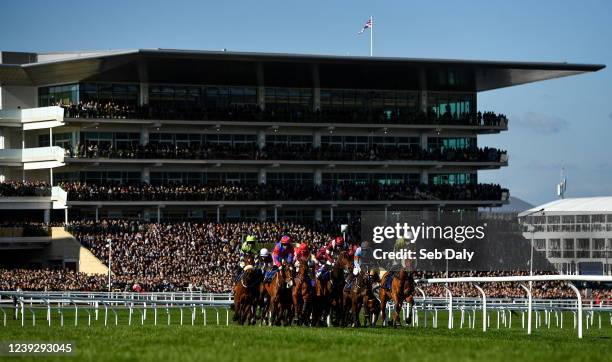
255 343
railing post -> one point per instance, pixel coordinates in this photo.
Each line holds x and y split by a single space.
450 307
579 300
529 301
484 306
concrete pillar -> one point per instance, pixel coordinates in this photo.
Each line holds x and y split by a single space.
144 136
261 139
146 175
143 97
424 177
263 214
158 214
423 141
218 214
318 177
261 89
318 215
262 176
66 216
423 90
146 215
47 217
97 214
316 139
275 213
423 101
2 171
316 93
331 214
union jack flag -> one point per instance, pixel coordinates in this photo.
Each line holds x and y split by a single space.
367 25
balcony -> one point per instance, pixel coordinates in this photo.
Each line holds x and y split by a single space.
38 198
32 118
486 122
33 158
291 155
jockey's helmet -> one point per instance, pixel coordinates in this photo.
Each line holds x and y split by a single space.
264 252
285 239
250 239
339 241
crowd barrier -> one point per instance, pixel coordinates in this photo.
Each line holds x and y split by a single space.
544 312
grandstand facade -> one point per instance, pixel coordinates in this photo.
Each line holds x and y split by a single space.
171 134
575 234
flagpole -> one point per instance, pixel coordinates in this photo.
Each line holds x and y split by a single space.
371 35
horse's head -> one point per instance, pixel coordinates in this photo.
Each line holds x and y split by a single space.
344 261
249 259
250 277
285 275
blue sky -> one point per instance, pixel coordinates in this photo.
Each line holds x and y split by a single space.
558 122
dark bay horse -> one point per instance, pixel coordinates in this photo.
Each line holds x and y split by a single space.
279 292
402 289
302 295
362 296
246 295
338 280
321 298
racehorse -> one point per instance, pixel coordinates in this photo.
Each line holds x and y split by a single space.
302 294
321 298
402 288
361 295
279 290
246 295
338 280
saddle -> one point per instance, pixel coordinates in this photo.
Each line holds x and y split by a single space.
388 280
324 274
269 275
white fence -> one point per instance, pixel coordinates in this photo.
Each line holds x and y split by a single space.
544 312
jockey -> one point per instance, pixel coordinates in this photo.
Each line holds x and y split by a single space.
247 248
265 260
302 254
327 252
357 260
283 250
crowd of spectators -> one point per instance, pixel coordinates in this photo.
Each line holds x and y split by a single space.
250 151
24 188
252 112
183 256
549 289
83 191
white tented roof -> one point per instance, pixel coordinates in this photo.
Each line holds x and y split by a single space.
577 205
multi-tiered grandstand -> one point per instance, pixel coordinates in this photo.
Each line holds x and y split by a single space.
165 134
162 135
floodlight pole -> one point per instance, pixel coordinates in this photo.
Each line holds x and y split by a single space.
110 259
531 252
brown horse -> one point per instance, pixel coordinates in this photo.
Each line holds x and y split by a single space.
246 295
402 288
362 296
279 291
302 295
338 281
321 299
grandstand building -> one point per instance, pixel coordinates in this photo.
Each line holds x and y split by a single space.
326 126
575 233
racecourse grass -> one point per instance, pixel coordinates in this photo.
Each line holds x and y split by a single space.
197 342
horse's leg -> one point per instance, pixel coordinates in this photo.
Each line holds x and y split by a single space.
383 304
355 310
410 301
398 301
